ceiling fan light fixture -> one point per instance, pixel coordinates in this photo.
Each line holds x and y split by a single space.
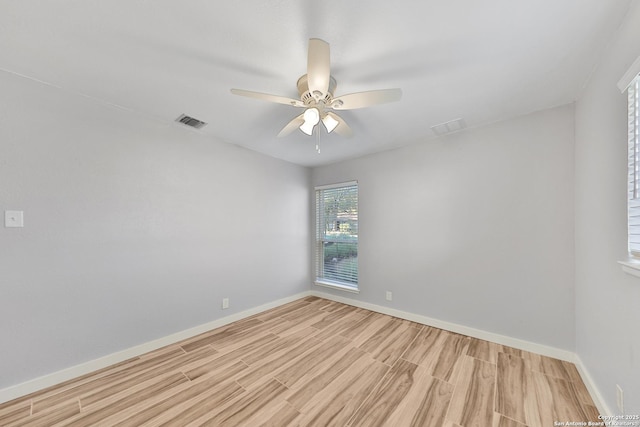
311 118
329 123
316 89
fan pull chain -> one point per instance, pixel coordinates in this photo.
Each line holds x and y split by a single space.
318 139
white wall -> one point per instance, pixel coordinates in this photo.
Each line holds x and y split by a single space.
134 229
607 300
475 228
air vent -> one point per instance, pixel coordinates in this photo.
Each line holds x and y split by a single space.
190 121
448 127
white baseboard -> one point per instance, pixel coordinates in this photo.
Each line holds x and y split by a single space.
601 404
484 335
45 381
460 329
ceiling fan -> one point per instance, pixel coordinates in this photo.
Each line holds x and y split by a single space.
316 89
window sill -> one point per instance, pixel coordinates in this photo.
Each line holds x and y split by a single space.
343 287
631 267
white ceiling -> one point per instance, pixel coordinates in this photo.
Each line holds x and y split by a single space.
482 61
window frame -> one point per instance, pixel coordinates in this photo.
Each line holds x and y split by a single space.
629 82
320 239
633 169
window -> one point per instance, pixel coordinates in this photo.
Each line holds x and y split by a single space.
337 235
633 206
630 83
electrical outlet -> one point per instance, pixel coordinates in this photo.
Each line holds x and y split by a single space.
620 398
389 295
225 303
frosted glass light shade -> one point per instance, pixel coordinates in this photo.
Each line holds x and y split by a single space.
311 118
329 122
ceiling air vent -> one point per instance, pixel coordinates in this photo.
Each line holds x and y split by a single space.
448 127
190 121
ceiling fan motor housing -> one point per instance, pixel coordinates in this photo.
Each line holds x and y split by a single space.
312 99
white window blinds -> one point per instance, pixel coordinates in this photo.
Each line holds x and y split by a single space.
337 234
633 207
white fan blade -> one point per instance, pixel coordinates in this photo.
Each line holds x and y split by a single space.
353 101
292 125
343 128
266 97
318 67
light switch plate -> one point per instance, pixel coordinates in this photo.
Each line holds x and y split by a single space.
13 219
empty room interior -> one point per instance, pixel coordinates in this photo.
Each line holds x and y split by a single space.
297 213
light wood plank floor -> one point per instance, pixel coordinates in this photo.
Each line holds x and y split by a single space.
315 362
